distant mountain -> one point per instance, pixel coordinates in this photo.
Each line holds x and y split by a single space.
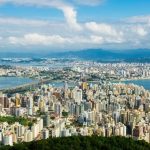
93 54
90 54
106 55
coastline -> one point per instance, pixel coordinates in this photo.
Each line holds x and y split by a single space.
133 79
57 82
11 82
145 82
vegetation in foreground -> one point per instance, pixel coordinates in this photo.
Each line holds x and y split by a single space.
82 143
12 119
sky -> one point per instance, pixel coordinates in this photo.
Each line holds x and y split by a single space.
60 25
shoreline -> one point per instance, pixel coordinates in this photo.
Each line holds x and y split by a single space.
59 81
134 79
130 81
19 83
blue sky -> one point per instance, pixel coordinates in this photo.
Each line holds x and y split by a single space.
108 9
31 25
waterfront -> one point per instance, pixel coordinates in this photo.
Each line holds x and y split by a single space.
10 82
145 83
60 84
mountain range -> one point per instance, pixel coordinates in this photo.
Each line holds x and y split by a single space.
89 54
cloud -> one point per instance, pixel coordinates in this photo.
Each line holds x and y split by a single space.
24 33
89 2
68 10
70 15
140 31
20 32
96 39
107 31
19 21
75 42
37 39
54 35
101 28
1 38
138 19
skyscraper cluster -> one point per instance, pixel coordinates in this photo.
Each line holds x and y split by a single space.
105 109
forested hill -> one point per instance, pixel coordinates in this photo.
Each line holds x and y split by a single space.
82 143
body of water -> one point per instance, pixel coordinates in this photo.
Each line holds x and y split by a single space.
145 83
10 82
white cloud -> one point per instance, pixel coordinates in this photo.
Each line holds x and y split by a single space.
109 33
138 19
1 38
19 21
68 10
18 32
37 39
93 35
96 39
140 31
70 15
101 28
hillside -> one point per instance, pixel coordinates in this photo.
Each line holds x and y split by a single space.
107 55
82 143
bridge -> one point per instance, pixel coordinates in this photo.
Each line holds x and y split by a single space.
25 87
30 86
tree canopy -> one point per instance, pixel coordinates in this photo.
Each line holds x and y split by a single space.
82 143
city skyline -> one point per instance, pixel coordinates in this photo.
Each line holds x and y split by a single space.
74 98
74 74
58 25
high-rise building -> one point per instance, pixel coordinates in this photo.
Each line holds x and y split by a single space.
46 120
58 109
28 136
30 106
72 109
8 139
77 95
35 130
4 101
84 85
45 134
17 100
65 133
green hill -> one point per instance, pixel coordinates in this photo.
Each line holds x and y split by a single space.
82 143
